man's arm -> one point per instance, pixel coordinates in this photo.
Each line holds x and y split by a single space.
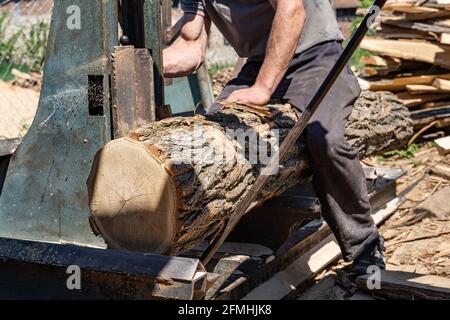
187 53
286 31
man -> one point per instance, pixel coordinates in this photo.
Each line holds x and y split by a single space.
291 45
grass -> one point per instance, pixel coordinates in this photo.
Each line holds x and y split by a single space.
354 61
216 68
24 49
406 153
6 68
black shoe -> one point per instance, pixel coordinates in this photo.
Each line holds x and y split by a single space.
373 256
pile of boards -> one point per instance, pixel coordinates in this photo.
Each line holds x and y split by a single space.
410 56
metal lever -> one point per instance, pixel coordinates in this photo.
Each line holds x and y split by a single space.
132 22
296 131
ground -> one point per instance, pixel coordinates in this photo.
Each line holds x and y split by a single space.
17 109
417 241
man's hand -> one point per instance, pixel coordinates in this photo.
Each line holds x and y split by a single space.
286 31
257 95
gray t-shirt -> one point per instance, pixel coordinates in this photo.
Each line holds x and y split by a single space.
246 24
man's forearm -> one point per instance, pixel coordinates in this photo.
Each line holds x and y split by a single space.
286 31
188 52
182 59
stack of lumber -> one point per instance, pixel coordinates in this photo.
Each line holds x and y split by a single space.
412 59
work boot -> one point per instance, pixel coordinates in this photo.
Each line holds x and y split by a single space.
373 256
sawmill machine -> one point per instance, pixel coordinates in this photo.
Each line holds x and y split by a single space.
103 78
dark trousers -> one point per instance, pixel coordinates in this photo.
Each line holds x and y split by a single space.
339 179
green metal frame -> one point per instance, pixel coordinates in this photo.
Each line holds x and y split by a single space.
44 197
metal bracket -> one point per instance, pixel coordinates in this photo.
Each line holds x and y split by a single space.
35 269
133 101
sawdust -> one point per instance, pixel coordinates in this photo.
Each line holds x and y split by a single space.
418 234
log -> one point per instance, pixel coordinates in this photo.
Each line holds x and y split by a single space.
162 189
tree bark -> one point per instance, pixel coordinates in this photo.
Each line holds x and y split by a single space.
168 186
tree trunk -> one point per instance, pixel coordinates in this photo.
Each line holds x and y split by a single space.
171 184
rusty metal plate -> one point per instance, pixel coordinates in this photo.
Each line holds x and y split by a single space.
39 270
132 89
45 196
145 92
123 90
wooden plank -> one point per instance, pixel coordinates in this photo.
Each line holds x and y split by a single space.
445 38
409 8
442 84
436 205
379 61
443 23
407 68
399 84
441 170
392 32
443 123
325 289
421 89
225 268
426 16
419 26
408 286
368 72
411 100
435 104
435 114
310 263
443 145
410 50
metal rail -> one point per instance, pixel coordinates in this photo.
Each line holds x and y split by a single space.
31 269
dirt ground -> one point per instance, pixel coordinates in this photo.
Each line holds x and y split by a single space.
417 235
17 109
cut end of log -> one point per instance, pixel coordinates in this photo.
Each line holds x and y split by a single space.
132 198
